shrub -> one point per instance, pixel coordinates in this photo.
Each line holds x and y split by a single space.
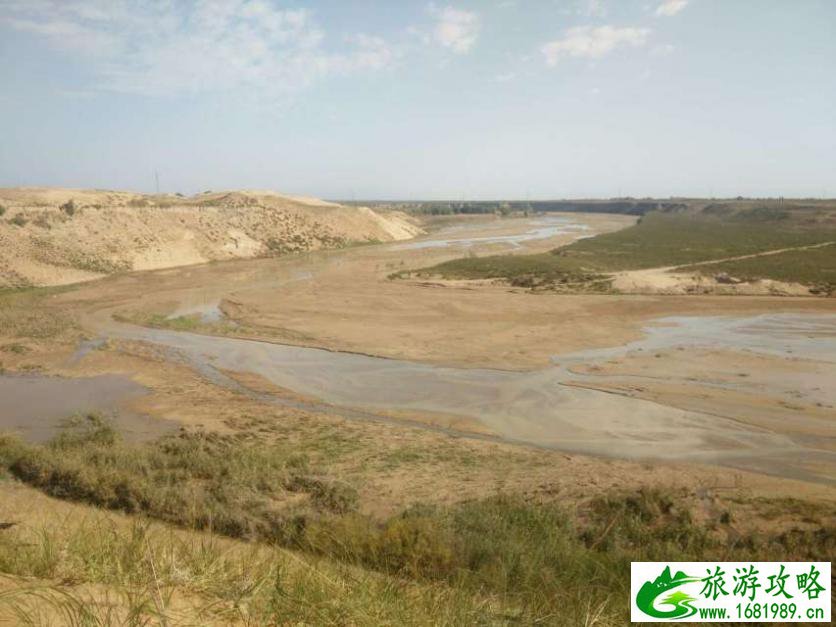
19 220
69 207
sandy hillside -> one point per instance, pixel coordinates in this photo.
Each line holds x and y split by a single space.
51 236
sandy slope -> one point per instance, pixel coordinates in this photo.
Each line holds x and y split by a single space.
45 241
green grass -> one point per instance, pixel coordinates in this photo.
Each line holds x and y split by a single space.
670 240
520 270
815 266
179 323
496 560
658 240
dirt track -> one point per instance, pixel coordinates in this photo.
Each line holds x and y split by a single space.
671 280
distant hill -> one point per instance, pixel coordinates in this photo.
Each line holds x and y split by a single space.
757 208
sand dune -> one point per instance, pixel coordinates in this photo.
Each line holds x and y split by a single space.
53 236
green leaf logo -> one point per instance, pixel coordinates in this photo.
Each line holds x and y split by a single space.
679 601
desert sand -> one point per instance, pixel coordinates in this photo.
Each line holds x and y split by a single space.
52 236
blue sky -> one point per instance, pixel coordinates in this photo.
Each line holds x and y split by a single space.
371 99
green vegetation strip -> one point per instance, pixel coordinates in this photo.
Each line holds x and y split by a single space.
496 560
658 240
812 266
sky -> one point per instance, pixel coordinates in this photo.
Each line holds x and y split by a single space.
401 99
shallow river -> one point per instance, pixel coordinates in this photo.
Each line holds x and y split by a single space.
536 407
541 408
542 227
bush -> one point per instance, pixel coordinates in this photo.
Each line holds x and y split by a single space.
19 220
2 210
69 207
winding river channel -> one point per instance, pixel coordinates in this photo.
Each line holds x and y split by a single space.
540 407
554 407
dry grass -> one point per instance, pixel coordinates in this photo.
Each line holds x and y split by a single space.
492 560
111 571
24 314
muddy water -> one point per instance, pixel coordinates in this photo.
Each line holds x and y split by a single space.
35 406
537 407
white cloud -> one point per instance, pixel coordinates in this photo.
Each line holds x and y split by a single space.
670 7
161 47
455 28
591 8
370 53
592 42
